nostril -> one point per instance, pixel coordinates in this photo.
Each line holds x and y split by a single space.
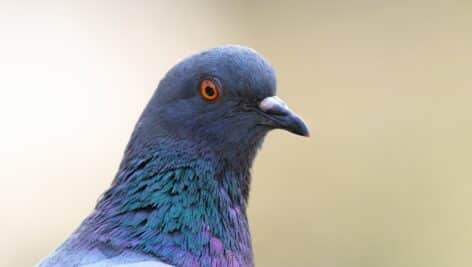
274 105
267 104
277 110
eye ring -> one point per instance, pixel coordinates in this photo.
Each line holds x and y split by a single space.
209 90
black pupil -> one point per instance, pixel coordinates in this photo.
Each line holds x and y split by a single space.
209 91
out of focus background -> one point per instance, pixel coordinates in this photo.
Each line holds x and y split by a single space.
386 87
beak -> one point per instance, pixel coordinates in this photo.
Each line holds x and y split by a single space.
280 116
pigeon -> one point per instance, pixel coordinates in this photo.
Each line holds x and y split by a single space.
180 195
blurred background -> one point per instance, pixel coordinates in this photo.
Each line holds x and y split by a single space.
386 86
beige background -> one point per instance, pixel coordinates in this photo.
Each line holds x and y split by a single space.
385 179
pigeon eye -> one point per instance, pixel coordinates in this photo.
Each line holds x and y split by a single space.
209 90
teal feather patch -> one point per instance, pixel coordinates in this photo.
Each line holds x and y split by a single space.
176 213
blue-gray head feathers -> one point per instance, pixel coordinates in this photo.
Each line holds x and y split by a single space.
182 188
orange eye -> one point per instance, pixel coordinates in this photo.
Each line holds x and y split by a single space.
209 90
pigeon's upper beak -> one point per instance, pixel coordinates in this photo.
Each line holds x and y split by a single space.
282 117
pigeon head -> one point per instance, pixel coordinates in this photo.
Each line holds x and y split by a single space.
181 192
223 98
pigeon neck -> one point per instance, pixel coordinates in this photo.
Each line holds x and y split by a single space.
182 204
